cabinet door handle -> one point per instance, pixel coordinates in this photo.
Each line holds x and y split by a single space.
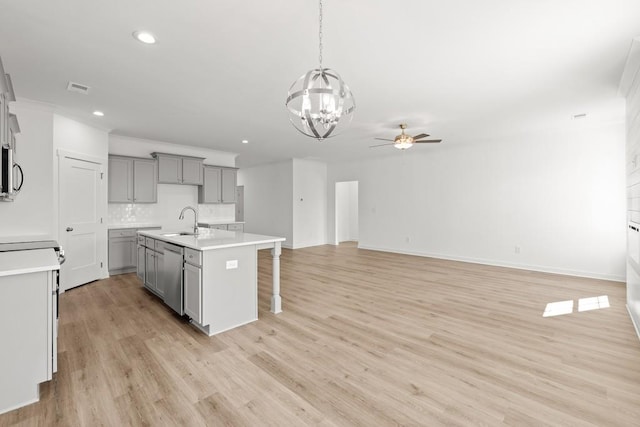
69 228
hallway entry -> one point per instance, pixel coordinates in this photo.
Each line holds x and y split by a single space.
346 211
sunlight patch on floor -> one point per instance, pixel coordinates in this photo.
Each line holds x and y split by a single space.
558 308
593 303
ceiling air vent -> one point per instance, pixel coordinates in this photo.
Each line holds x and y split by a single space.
77 87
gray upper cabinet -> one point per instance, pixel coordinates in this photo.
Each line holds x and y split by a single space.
145 189
173 169
169 169
132 180
192 171
210 191
219 185
229 179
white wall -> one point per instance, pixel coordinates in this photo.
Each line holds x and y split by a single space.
268 202
35 212
31 214
309 203
347 211
558 195
171 197
70 136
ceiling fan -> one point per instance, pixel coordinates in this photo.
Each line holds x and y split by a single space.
404 141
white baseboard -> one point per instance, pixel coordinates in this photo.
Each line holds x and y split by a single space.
544 269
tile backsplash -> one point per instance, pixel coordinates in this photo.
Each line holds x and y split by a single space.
171 200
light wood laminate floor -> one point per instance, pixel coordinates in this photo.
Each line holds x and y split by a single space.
366 338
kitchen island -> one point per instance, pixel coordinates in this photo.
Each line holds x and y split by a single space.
217 286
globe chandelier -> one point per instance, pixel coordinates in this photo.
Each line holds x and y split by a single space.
320 104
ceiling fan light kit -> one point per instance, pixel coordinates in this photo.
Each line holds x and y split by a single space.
320 104
404 141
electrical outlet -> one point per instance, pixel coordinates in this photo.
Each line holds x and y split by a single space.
407 239
517 249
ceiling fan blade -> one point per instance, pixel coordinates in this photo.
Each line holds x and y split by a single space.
380 145
427 140
422 135
384 139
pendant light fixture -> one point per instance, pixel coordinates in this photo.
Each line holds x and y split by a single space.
320 103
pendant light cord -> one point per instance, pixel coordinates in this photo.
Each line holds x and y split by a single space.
320 36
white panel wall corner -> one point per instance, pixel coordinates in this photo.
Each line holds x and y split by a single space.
630 89
557 195
309 203
268 199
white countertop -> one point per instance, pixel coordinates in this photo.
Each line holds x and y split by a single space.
133 225
219 222
209 239
31 261
25 238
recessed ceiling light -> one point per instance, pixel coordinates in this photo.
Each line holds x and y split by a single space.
244 141
144 37
98 113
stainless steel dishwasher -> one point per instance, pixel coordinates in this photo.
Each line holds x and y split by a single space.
172 277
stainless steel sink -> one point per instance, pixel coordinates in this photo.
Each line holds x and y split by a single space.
183 233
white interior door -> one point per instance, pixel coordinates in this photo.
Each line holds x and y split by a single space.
80 189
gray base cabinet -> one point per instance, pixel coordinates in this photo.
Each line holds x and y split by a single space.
140 269
230 227
151 272
193 292
123 251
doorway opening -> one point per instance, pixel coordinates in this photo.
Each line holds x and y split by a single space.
346 212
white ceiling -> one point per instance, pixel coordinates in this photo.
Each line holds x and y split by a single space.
460 70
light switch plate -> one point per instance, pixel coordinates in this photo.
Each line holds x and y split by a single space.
232 264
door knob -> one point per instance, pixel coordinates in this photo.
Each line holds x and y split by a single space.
69 228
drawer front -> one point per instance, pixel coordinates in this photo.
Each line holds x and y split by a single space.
235 227
149 242
122 233
141 240
192 256
159 246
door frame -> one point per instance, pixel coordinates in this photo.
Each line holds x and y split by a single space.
101 205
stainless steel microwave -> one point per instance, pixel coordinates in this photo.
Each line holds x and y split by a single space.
11 176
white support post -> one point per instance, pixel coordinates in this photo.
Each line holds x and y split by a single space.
276 301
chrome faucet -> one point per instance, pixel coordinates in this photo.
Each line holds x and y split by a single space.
195 221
